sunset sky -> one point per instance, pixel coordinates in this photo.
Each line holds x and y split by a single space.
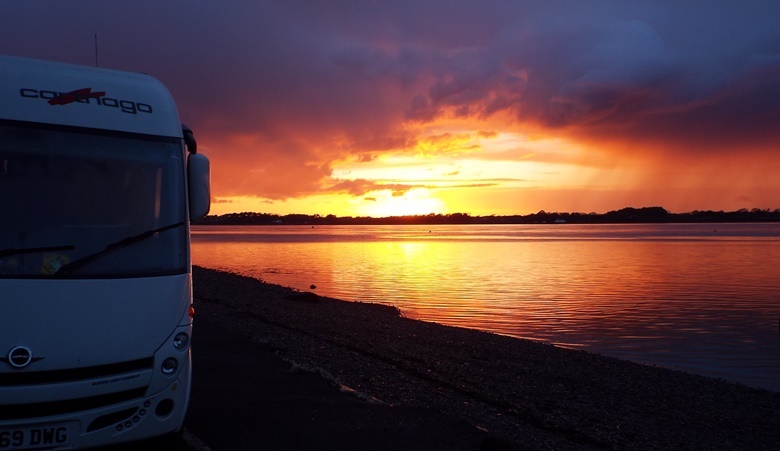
383 108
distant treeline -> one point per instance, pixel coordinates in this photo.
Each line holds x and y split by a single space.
622 216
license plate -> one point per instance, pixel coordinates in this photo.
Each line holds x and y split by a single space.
36 437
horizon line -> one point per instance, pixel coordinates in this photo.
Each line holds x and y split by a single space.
656 209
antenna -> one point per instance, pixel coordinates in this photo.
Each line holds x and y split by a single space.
96 51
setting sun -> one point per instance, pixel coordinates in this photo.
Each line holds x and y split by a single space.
414 202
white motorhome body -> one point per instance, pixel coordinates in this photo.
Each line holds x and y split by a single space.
98 183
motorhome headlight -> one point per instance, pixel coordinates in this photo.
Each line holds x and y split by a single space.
169 366
181 340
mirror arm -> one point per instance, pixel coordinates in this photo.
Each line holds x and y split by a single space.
189 139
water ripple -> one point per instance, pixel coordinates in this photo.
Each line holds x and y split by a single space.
701 298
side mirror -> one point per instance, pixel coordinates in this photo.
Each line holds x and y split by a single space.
199 175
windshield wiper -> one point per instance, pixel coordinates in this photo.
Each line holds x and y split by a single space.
33 250
125 242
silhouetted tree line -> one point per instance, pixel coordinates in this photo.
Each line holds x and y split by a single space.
622 216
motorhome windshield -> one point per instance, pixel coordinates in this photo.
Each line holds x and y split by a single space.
99 204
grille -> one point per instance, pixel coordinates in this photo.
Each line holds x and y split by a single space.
42 409
74 374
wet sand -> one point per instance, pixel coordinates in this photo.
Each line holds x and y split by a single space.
518 392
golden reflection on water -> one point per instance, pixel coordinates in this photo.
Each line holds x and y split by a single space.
681 301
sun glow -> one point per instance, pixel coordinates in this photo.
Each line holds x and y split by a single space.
414 202
508 173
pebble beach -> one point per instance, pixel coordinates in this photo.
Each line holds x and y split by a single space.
528 394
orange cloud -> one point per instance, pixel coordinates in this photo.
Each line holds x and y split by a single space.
361 187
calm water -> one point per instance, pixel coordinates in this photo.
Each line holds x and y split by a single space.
701 298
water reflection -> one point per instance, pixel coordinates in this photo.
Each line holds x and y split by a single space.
684 296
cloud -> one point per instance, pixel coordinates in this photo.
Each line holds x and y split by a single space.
360 187
279 93
601 79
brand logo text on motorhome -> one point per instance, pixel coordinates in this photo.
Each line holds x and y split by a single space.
86 95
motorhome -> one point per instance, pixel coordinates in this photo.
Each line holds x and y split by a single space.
99 181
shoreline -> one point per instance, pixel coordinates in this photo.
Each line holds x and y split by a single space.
524 392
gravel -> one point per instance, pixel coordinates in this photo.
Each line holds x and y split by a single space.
535 395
